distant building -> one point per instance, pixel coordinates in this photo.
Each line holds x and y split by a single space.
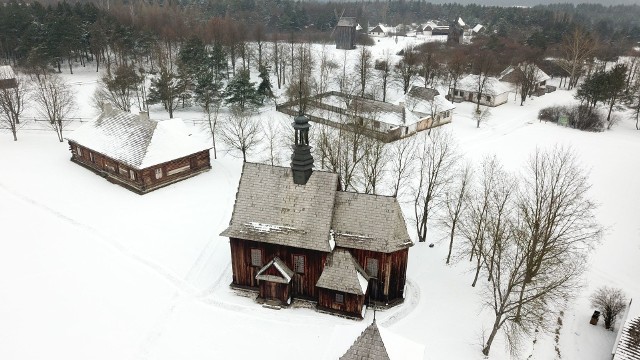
345 33
138 153
515 74
379 30
384 121
295 234
494 92
7 78
456 32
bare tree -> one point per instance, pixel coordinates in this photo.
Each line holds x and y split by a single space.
327 67
54 100
456 66
436 161
528 77
241 132
407 69
611 302
457 200
118 87
384 67
374 162
558 223
12 105
481 115
273 132
401 160
363 68
483 66
577 48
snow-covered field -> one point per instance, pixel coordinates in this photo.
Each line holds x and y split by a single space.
89 270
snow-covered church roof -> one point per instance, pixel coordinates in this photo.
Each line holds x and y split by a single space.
136 140
343 273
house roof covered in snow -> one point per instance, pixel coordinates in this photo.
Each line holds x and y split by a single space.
343 273
369 222
347 21
477 28
425 101
540 75
492 85
380 28
286 274
461 22
136 140
6 73
271 208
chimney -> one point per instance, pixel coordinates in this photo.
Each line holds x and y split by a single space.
107 107
144 115
301 159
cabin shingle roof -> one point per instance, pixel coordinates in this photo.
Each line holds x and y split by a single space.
137 141
368 346
6 72
270 208
343 273
629 344
369 222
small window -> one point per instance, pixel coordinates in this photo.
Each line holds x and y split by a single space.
91 157
158 173
339 298
79 151
372 267
298 264
132 175
256 257
488 98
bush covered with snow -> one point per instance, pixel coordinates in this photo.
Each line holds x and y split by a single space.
578 117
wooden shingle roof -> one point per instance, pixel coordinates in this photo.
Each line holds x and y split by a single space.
629 343
368 346
270 208
286 274
343 273
369 222
136 140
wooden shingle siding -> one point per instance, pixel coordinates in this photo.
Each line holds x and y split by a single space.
244 274
392 272
351 305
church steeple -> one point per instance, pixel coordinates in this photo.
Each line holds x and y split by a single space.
301 159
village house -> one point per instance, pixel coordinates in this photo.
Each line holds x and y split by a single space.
379 30
381 120
494 92
136 152
295 235
515 74
431 108
7 78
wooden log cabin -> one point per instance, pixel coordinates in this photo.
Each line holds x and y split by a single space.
294 234
137 153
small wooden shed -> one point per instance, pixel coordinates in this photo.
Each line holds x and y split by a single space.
345 33
7 78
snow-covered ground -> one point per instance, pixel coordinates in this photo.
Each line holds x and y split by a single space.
89 270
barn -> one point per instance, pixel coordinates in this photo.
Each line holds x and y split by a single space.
345 33
138 153
294 234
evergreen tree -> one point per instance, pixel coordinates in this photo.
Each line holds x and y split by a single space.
264 89
241 92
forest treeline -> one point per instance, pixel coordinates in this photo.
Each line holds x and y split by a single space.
36 35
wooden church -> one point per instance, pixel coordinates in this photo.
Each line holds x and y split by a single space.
295 234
